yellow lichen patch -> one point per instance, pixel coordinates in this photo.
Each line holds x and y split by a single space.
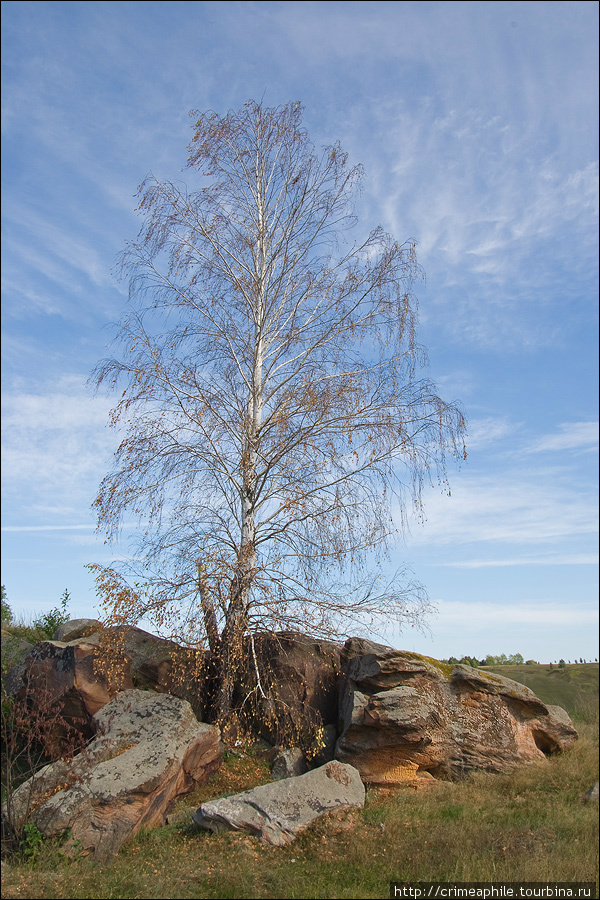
43 798
380 769
122 750
443 668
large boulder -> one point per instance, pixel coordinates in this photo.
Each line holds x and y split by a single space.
298 696
277 812
60 680
88 665
77 628
402 714
149 750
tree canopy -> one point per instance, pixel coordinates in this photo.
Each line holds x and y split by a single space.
276 424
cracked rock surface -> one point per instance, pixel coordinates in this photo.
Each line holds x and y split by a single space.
276 813
149 750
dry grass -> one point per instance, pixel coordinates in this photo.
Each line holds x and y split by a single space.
530 826
574 687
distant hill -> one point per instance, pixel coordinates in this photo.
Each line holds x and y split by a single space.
574 687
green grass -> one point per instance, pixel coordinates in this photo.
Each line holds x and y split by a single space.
529 826
574 687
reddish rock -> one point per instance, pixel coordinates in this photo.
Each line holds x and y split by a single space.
403 714
85 673
302 675
62 677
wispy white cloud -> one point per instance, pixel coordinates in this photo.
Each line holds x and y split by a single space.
58 242
525 507
559 559
23 300
56 267
496 225
55 446
571 436
489 430
51 528
483 616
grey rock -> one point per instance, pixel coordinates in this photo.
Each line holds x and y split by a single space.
276 813
149 750
77 628
591 796
289 763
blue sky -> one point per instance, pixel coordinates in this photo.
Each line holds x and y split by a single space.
477 126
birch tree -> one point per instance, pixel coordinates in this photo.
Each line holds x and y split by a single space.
276 424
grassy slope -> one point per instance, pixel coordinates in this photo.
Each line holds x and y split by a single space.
530 826
574 687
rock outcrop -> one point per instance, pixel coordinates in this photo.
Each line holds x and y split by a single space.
88 665
75 629
276 813
402 714
302 673
397 714
62 677
149 750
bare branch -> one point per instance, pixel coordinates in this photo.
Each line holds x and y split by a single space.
271 406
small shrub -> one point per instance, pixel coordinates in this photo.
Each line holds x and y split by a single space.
34 732
7 615
31 842
48 623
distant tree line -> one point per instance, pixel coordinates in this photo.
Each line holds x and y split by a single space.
515 659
